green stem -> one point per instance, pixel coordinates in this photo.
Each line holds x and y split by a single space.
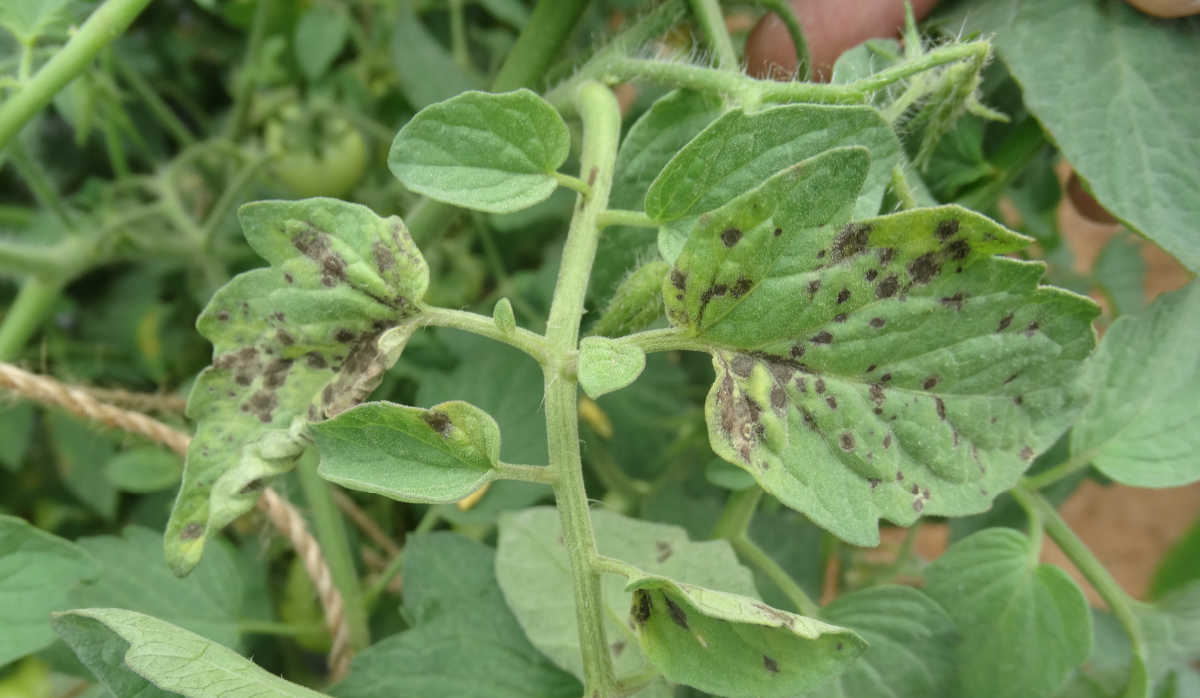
533 344
633 219
734 526
665 339
331 534
712 24
611 565
245 87
1063 470
104 25
267 627
902 189
783 10
37 260
39 183
380 585
458 35
573 183
1097 575
27 313
601 133
541 40
527 473
161 111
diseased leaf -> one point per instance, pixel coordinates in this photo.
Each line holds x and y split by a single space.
172 658
37 570
738 151
304 339
910 645
1144 379
532 569
465 642
1024 625
1128 139
606 365
488 152
733 645
410 454
884 368
132 576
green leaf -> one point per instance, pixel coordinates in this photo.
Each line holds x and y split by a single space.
1172 629
864 60
29 19
636 303
489 152
1145 375
146 469
910 645
465 642
37 570
532 569
320 34
133 577
172 658
1121 272
1024 625
738 151
606 365
1179 565
410 454
16 434
81 450
1129 141
733 645
884 368
304 339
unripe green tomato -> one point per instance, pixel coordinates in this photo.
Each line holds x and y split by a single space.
325 158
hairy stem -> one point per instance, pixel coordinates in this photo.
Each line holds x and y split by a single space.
533 344
331 533
783 10
1063 470
712 25
1097 575
104 25
633 219
601 132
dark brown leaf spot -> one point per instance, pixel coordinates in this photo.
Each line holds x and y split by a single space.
252 486
592 175
288 277
899 476
741 288
315 360
814 286
941 408
877 394
778 397
1026 453
947 229
956 301
315 246
664 550
888 287
801 384
677 614
874 482
850 241
770 664
809 420
642 606
821 254
438 421
796 351
262 404
843 295
870 368
924 268
731 236
871 274
276 373
918 505
958 250
820 385
384 259
1019 400
344 336
678 279
223 316
887 442
930 382
831 401
1005 322
778 232
878 322
617 648
822 338
886 255
1032 329
742 365
847 441
885 377
191 531
840 317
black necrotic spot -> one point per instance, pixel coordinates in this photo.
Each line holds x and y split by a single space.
871 274
344 336
850 241
677 614
947 229
958 250
843 295
822 338
820 385
741 288
730 236
770 664
191 531
642 606
847 441
924 268
929 382
956 301
437 421
778 232
941 408
796 351
678 279
831 401
877 322
314 360
1005 322
888 287
840 317
814 286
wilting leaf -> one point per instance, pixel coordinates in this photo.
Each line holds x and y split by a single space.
606 365
889 367
306 338
733 645
37 570
489 152
1145 376
738 151
112 641
410 454
1024 625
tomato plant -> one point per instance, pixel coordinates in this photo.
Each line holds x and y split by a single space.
577 395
